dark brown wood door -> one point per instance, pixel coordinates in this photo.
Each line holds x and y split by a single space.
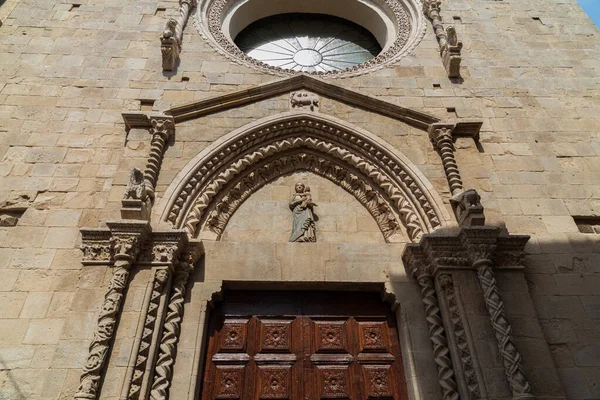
303 345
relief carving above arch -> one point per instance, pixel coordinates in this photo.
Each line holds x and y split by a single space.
206 193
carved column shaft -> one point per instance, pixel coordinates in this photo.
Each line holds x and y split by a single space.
184 11
126 251
163 371
441 137
432 10
502 329
438 337
161 131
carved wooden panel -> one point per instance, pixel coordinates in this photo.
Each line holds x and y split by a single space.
274 382
378 381
373 336
331 336
234 335
275 335
333 382
229 382
302 345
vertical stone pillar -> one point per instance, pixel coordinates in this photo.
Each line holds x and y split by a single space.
163 127
127 238
163 371
450 47
172 36
420 271
481 252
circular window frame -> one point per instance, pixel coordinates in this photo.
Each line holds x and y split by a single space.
398 26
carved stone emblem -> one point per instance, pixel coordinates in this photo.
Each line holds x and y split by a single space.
303 225
169 46
304 100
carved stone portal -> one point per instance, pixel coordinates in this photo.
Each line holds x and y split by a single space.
303 225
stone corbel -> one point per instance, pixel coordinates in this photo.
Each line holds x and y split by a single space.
172 37
126 239
450 46
163 370
466 204
140 192
162 253
483 244
418 267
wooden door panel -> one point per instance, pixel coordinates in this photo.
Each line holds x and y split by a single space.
300 345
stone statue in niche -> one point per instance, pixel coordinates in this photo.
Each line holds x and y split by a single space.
303 224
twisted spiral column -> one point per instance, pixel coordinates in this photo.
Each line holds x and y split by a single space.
438 337
162 129
502 329
431 8
126 250
184 12
163 371
441 137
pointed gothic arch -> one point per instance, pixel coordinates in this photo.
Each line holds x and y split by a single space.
206 193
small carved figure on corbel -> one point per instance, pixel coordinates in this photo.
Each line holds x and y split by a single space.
451 53
303 225
467 208
304 100
169 46
135 203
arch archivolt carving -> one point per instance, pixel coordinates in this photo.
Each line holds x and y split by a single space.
221 178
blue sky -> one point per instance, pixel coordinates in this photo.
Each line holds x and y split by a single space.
592 8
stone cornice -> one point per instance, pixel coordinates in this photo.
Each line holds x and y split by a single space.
439 251
302 81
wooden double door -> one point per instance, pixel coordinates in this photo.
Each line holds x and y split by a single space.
303 345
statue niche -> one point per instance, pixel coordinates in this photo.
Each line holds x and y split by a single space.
303 223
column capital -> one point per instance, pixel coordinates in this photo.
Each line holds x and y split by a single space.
163 125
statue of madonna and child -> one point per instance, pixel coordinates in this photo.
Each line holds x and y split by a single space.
303 225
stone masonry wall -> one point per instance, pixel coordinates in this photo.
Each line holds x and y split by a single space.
68 70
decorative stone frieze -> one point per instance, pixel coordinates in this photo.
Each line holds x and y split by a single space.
96 246
228 173
419 268
172 37
163 371
465 203
126 239
450 46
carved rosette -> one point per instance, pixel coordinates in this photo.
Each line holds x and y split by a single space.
324 149
459 331
163 128
163 371
126 245
419 269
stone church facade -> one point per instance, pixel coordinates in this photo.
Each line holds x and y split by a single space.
183 219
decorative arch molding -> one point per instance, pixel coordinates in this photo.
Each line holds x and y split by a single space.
206 193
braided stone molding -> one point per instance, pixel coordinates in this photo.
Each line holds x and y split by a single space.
450 47
162 129
163 371
210 25
210 178
418 268
161 276
460 334
126 241
510 355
